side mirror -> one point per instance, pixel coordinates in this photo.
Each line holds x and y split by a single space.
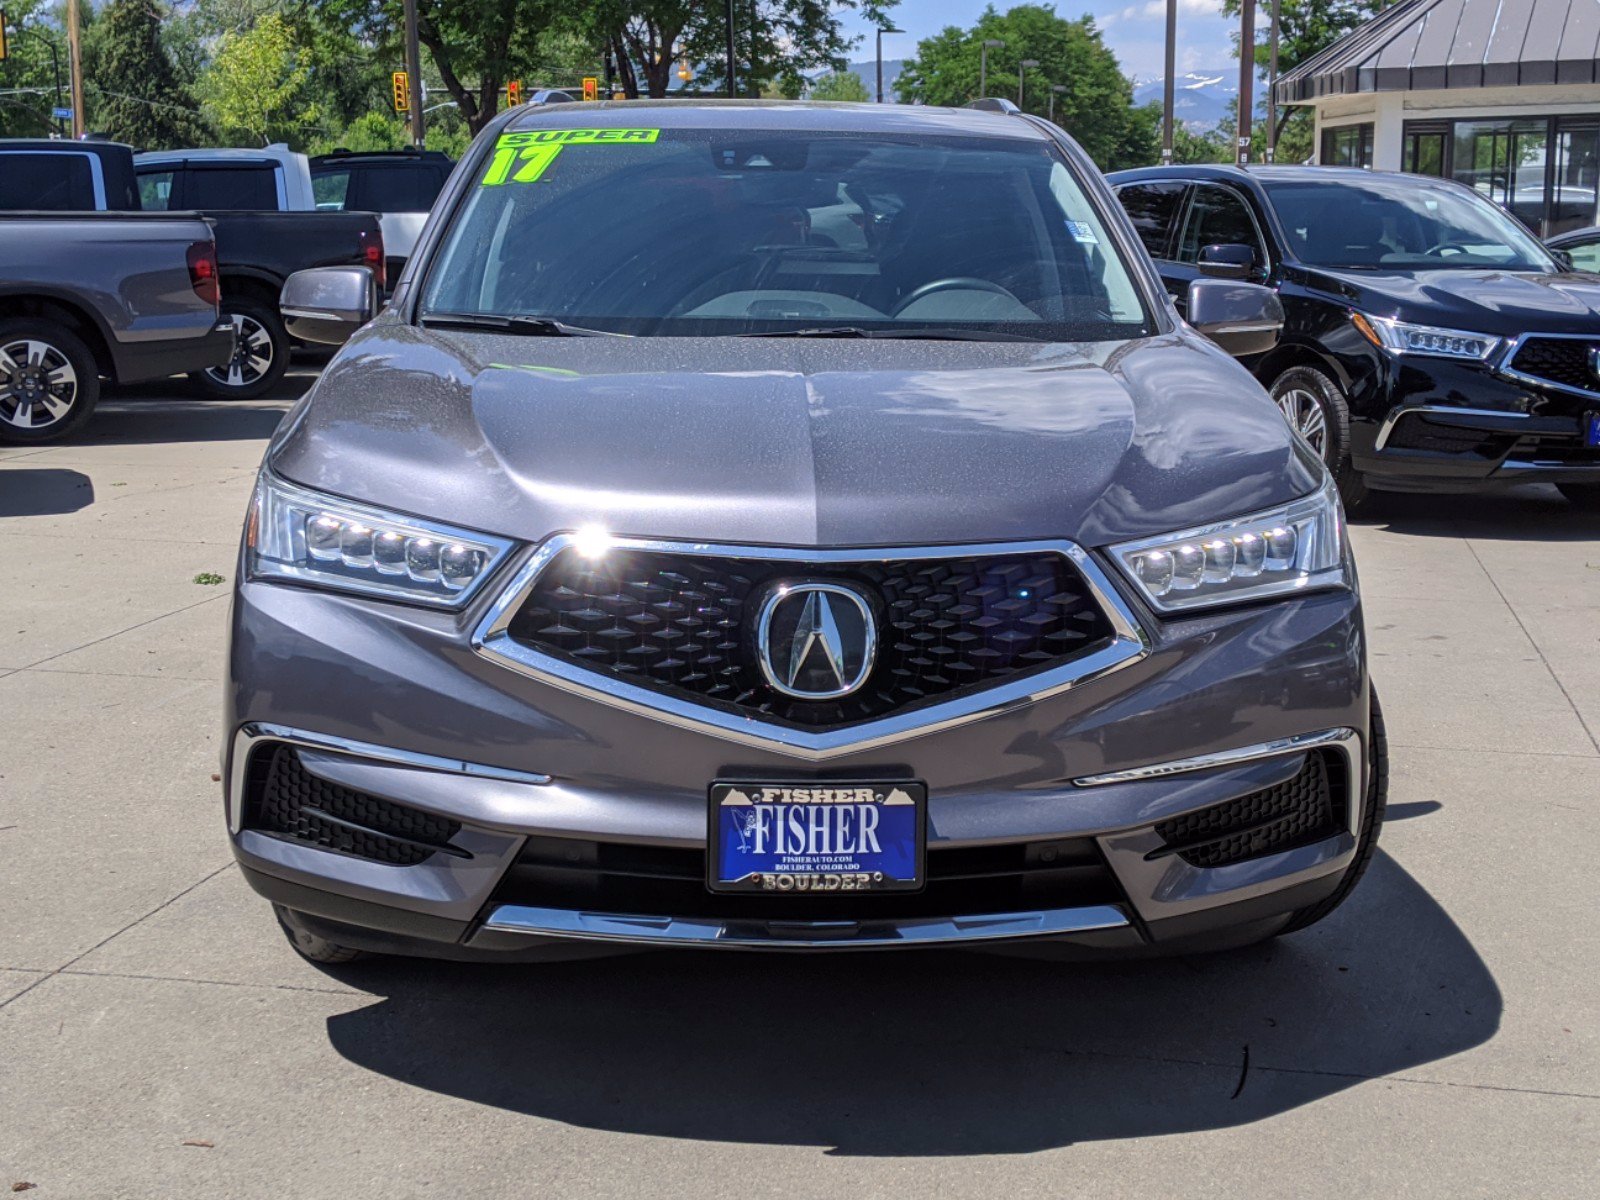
1242 318
1229 260
328 304
1563 257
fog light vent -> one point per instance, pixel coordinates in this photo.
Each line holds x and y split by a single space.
1297 812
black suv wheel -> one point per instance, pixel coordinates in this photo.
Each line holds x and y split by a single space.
1315 409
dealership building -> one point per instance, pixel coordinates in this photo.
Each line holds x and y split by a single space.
1502 95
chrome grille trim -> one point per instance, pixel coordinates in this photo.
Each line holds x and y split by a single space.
1514 347
1129 643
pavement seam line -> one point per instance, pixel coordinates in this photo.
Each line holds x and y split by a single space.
120 632
233 983
1537 649
1477 750
111 937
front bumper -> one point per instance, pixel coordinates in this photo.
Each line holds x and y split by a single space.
391 702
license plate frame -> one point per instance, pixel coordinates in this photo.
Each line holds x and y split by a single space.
832 874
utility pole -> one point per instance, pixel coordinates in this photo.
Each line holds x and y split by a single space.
1247 78
414 74
1022 75
881 31
1272 85
75 68
983 64
733 87
1170 82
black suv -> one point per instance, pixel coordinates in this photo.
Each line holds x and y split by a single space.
1431 344
386 181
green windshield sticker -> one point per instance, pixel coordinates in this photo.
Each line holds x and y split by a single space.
524 157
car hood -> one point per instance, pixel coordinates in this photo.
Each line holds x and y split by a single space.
793 442
1497 302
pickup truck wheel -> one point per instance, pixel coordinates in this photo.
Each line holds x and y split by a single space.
260 354
49 381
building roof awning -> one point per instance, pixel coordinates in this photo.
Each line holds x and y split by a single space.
1419 45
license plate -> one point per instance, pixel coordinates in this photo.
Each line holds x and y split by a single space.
783 838
1591 430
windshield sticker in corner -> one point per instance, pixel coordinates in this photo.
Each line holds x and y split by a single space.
523 157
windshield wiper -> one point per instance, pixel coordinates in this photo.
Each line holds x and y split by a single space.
857 331
531 326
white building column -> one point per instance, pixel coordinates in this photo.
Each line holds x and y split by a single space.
1388 131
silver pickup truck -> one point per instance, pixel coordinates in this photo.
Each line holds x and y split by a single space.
85 295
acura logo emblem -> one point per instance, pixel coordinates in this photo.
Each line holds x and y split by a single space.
816 640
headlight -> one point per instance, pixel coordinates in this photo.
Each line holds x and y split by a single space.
1398 337
1291 549
315 539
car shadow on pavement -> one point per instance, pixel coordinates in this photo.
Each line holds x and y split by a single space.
27 491
1531 512
936 1054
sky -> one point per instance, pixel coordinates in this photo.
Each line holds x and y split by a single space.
1135 32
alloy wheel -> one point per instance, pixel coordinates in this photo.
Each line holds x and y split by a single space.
252 354
1304 413
36 381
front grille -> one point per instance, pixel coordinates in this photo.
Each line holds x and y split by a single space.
1297 812
1563 361
1415 432
288 801
617 877
682 624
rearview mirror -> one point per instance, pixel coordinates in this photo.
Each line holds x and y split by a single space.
328 304
1242 318
1227 260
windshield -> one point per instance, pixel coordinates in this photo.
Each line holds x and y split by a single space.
679 232
1400 223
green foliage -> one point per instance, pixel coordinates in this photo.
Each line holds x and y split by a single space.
1097 107
369 131
256 85
134 89
840 85
1305 27
28 65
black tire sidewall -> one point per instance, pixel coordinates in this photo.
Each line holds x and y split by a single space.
76 352
1336 417
267 317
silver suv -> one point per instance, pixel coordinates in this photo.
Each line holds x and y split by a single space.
786 526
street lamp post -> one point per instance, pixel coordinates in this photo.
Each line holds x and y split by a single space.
733 87
883 29
1055 90
1169 82
1022 74
55 61
983 64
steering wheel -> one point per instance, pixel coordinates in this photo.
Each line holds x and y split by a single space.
954 283
1439 250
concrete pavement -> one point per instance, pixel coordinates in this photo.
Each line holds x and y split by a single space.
1440 1036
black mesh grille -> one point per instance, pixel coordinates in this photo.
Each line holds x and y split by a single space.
286 799
1560 360
669 881
1414 432
683 624
1300 811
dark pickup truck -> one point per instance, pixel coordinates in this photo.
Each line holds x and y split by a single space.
127 296
256 251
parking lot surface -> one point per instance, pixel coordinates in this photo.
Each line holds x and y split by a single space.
1440 1035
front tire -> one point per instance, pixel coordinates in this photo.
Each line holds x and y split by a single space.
1316 409
310 946
49 381
1371 822
260 355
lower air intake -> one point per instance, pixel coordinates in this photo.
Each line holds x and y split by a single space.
1297 812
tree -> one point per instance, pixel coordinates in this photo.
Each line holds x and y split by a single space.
256 85
139 98
840 85
1097 107
28 72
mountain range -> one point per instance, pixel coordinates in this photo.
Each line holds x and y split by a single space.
1200 99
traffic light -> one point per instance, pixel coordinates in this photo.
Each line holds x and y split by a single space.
591 88
402 92
514 92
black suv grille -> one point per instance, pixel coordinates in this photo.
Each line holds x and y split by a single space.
616 877
683 625
286 800
1298 812
1560 360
